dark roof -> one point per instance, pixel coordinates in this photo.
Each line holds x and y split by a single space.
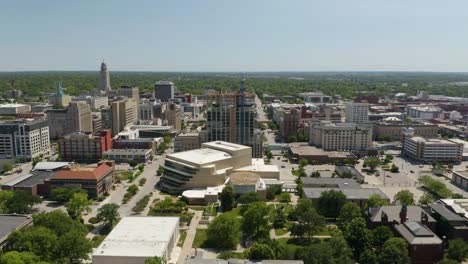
342 169
413 213
417 234
445 213
240 261
330 183
38 177
351 194
8 223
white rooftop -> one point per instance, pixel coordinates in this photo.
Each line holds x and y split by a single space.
12 105
200 156
224 145
139 237
44 165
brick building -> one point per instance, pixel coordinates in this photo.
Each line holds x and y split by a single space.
84 146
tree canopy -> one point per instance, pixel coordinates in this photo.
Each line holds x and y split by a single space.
224 231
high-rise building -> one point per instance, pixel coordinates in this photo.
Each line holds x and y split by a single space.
106 118
173 117
124 112
127 91
357 112
96 102
145 111
24 139
341 136
97 122
104 79
77 117
164 90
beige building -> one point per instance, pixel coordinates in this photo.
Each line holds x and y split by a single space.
127 91
394 130
124 111
341 136
187 141
13 109
357 112
173 117
206 167
432 149
76 117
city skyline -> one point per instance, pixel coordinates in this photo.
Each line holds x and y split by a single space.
223 36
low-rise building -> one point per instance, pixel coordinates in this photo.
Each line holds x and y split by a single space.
14 109
246 182
187 141
424 112
84 147
124 155
432 149
96 181
394 130
314 155
138 143
10 223
460 178
449 224
134 239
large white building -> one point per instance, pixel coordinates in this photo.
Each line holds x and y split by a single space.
13 109
341 136
432 149
24 138
134 239
357 112
424 112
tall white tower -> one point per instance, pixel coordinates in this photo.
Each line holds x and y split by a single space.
104 79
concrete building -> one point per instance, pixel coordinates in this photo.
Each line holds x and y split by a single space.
136 238
137 143
240 261
314 155
124 112
59 99
209 166
164 91
289 122
104 79
76 117
106 118
316 97
96 181
173 116
14 94
187 141
14 109
127 91
124 155
24 139
395 130
11 223
341 136
145 111
460 178
84 147
357 112
424 112
327 113
95 102
247 182
97 122
432 149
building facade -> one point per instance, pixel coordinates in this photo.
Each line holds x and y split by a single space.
24 139
84 147
395 130
164 91
77 117
127 91
124 112
173 116
433 149
124 155
187 141
341 136
104 79
357 112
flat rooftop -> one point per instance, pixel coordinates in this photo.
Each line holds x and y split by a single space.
351 194
244 178
200 156
323 182
139 237
432 140
463 174
38 177
45 165
8 223
304 149
224 145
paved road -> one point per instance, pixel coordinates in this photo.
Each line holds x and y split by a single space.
187 247
261 115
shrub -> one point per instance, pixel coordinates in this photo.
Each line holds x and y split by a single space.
93 220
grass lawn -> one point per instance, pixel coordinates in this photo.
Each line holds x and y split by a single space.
123 175
96 241
200 239
183 235
281 231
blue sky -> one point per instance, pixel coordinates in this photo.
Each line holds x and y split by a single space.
219 35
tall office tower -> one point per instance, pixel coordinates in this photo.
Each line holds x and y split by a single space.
24 138
164 90
357 112
124 111
173 117
104 79
77 117
145 111
231 117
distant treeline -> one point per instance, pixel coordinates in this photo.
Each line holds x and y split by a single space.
346 84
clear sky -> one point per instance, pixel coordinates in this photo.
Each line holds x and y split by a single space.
235 35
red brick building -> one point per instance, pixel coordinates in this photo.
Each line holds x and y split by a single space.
84 147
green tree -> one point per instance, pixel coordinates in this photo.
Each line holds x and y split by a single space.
15 257
448 261
372 163
318 253
394 168
78 204
380 235
349 211
160 171
330 203
291 139
284 197
260 251
309 222
250 197
457 250
368 256
342 253
21 202
357 235
5 196
7 167
394 251
426 199
59 222
405 197
73 247
62 195
108 214
132 163
303 163
39 240
376 201
280 218
228 199
255 220
224 231
315 174
155 260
